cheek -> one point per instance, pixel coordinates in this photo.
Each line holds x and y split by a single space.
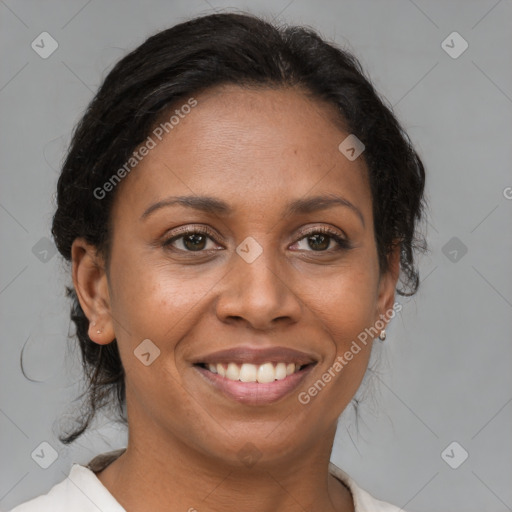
346 302
155 300
345 306
346 310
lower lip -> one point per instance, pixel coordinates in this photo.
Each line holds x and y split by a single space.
255 393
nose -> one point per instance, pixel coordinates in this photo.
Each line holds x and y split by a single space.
259 294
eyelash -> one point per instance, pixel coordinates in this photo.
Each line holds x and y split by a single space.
343 243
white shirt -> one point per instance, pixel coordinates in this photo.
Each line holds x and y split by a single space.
82 491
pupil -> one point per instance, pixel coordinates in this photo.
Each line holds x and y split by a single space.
195 239
324 244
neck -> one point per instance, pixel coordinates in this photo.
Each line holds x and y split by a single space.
181 479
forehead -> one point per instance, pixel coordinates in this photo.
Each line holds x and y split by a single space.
253 147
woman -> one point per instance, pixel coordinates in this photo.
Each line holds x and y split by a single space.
237 205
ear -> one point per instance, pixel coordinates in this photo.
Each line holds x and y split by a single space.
91 285
387 284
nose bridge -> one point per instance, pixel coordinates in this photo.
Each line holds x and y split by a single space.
258 272
257 288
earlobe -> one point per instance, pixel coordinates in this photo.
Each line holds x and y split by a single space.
91 285
388 282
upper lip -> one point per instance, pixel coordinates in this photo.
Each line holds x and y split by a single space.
246 354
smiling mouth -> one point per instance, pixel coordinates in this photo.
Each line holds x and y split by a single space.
265 373
256 376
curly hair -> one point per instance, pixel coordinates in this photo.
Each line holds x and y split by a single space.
192 57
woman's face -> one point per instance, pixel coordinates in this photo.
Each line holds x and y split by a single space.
262 287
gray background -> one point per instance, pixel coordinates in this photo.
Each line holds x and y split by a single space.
445 368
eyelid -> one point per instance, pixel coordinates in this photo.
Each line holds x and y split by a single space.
195 228
322 229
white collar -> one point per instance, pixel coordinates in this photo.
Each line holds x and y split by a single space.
86 480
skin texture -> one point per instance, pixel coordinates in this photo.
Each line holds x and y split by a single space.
256 149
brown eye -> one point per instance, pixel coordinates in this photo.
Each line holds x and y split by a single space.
320 240
192 240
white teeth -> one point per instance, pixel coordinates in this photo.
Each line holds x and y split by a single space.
263 373
233 372
266 373
281 371
248 373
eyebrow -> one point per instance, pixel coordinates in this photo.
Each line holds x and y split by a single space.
216 206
